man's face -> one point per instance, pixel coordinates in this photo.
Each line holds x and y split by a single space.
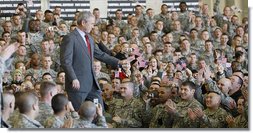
8 27
89 24
202 64
125 90
47 78
224 85
45 46
209 46
116 84
17 20
224 39
234 82
186 93
119 14
97 67
21 51
61 77
138 10
47 62
164 9
21 37
35 60
212 100
240 106
154 87
163 94
49 17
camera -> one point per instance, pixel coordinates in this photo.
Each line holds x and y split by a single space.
52 28
153 94
95 101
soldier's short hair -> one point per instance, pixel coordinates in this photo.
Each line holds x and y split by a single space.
46 87
58 102
87 110
190 84
26 102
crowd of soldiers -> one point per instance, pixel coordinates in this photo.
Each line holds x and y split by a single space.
182 69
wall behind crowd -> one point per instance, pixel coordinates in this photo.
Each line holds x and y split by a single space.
108 7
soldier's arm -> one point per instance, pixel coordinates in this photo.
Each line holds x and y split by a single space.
101 123
216 7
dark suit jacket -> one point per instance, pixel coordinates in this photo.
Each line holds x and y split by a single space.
77 64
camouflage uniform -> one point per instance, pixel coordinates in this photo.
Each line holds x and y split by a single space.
130 112
120 23
241 121
44 112
35 40
4 124
209 59
25 122
53 122
83 123
160 118
220 18
214 119
37 74
181 118
166 21
229 53
14 116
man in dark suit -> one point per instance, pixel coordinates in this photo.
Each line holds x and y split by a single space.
77 53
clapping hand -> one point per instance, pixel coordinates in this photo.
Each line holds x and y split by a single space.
117 119
170 106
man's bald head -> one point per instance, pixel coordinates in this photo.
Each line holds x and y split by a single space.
87 110
224 85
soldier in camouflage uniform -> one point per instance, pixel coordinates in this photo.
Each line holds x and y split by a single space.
221 19
87 112
118 19
7 108
62 110
29 109
160 118
207 55
47 91
126 112
17 24
241 121
182 109
214 116
34 36
46 66
228 51
165 17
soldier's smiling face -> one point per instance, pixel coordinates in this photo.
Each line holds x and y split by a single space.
186 93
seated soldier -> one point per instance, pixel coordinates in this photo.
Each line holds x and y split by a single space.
181 110
213 116
8 104
126 112
241 121
87 112
61 106
29 108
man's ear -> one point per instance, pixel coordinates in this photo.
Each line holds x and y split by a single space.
66 107
33 107
193 91
11 105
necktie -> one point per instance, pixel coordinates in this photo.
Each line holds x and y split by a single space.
88 43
